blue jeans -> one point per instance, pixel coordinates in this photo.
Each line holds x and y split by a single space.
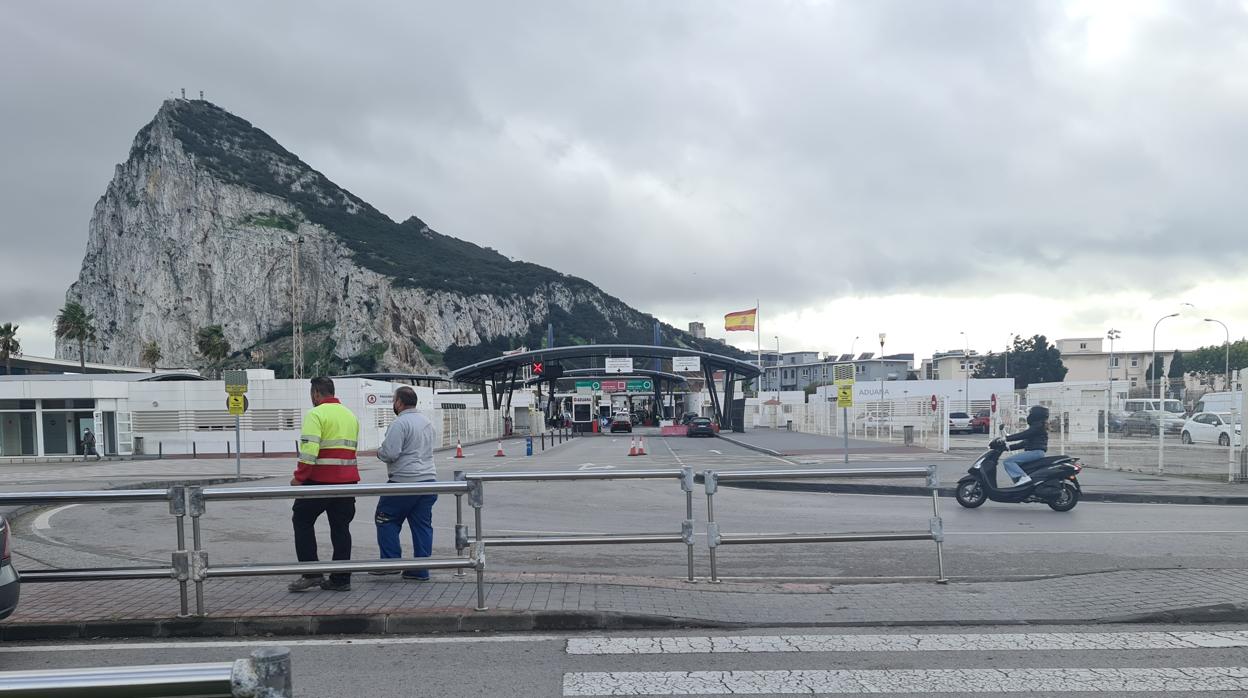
417 511
1013 464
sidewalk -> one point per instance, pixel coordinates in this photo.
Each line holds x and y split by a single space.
1098 485
261 605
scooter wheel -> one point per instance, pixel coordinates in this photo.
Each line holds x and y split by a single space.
1066 499
970 493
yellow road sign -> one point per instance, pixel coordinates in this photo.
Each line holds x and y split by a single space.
845 395
236 404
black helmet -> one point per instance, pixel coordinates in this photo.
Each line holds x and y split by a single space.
1037 414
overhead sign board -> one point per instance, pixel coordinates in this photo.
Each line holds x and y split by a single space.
686 364
619 365
616 386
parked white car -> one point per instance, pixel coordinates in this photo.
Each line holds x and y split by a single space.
959 423
1211 428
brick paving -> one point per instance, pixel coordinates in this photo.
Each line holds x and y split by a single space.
1080 598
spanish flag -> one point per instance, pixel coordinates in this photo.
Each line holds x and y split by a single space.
740 320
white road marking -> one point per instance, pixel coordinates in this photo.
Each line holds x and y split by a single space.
44 521
859 681
718 453
591 466
341 642
933 642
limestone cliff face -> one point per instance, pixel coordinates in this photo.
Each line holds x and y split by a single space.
196 229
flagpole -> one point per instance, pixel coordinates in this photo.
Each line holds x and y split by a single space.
758 337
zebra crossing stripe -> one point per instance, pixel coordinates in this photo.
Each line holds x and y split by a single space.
948 642
852 682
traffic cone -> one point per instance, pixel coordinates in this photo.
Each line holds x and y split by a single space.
500 453
459 450
641 445
632 446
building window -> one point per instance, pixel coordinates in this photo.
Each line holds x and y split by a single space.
1133 382
1113 362
1083 345
1135 363
961 365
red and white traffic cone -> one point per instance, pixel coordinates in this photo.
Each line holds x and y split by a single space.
459 450
499 453
632 446
641 445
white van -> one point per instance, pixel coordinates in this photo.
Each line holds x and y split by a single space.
1154 405
1222 403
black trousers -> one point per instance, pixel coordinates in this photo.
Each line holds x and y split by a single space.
340 511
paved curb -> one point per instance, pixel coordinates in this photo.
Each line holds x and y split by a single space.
750 446
469 621
916 490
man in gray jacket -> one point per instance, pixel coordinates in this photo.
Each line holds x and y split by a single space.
408 454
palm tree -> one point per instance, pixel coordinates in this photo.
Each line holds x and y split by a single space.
150 356
9 346
213 345
75 324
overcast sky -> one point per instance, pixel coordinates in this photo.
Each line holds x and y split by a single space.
915 168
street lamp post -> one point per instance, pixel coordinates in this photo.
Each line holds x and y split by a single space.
966 372
877 426
1006 369
779 367
1227 344
1112 334
1161 411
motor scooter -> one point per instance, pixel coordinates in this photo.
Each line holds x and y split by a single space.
1053 481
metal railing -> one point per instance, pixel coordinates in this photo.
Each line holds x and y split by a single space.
685 535
199 569
265 674
714 538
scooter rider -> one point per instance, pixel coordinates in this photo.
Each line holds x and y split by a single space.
1032 441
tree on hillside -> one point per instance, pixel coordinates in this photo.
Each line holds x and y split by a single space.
212 345
1031 360
75 324
151 355
9 346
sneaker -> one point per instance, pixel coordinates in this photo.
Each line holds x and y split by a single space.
383 573
1023 481
304 583
333 586
414 578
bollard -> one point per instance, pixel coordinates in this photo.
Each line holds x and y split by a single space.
543 441
528 445
263 450
461 531
194 451
160 447
265 674
227 449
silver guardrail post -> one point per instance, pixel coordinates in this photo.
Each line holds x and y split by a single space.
265 674
476 498
711 479
199 558
937 526
461 530
181 558
686 528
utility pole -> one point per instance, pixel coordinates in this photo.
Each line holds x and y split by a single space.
296 310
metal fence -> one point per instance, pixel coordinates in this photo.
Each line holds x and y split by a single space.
265 674
1086 424
190 566
715 538
684 535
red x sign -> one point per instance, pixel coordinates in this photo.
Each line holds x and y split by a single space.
537 368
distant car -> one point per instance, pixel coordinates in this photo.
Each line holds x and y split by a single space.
1210 428
959 423
981 423
688 417
10 582
622 422
700 426
1140 423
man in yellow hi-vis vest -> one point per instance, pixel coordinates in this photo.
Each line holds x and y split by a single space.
327 447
